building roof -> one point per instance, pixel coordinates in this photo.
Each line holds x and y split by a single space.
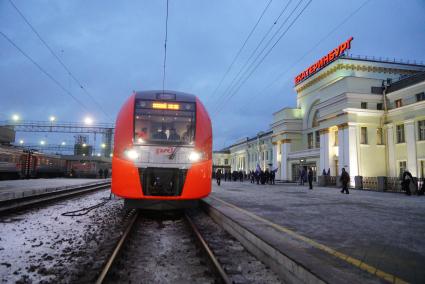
259 135
406 82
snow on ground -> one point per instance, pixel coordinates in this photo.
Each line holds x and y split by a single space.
41 245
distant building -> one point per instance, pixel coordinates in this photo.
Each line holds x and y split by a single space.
342 121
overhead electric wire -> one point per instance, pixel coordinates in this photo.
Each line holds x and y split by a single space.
277 78
241 48
44 71
165 49
58 59
269 51
253 52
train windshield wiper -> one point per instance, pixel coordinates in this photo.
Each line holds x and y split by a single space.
172 155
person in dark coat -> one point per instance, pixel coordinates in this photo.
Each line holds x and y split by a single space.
302 176
329 172
272 176
310 178
267 176
100 173
345 178
323 172
257 177
252 177
262 177
421 191
218 177
406 179
105 173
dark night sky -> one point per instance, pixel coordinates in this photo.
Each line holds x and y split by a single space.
115 47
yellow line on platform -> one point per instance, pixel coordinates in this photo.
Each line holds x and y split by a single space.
351 260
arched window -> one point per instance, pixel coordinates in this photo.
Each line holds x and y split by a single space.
315 122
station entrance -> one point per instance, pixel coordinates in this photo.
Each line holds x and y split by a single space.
297 168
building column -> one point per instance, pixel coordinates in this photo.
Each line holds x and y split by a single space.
412 166
351 145
341 149
275 160
285 150
391 152
347 150
324 151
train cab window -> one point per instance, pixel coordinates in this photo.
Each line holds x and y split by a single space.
160 122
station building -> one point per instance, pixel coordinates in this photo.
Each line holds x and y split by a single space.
366 115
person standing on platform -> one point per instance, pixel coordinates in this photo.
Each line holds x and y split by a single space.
310 178
329 171
100 173
323 172
105 173
345 178
267 176
272 176
302 176
406 179
218 177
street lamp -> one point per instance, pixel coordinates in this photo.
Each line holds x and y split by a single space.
42 142
103 145
52 118
88 120
63 143
21 141
84 145
15 117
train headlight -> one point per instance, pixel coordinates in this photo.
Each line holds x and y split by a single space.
195 156
131 154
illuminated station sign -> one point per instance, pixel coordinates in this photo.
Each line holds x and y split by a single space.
324 61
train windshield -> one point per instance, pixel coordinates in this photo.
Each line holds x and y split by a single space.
160 122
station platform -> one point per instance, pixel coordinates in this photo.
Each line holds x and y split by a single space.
321 235
12 189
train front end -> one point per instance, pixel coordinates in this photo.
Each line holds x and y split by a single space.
162 151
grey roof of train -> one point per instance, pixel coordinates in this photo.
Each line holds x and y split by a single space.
151 95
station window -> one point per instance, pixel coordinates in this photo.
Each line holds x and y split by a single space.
226 161
421 130
310 140
398 103
400 133
363 105
363 136
379 136
317 139
420 97
379 106
402 167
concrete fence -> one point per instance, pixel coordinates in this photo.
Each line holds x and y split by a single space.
381 183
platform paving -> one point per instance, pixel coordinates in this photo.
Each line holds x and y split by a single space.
10 189
385 231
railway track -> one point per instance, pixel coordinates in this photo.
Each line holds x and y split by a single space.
162 251
16 204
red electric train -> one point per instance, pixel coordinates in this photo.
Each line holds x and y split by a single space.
162 151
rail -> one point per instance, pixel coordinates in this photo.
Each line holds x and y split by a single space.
129 227
25 202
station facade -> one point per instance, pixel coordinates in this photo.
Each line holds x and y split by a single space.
367 116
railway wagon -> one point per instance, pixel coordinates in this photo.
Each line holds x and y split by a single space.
163 151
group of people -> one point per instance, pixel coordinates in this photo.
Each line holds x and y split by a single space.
166 133
259 176
306 176
263 177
